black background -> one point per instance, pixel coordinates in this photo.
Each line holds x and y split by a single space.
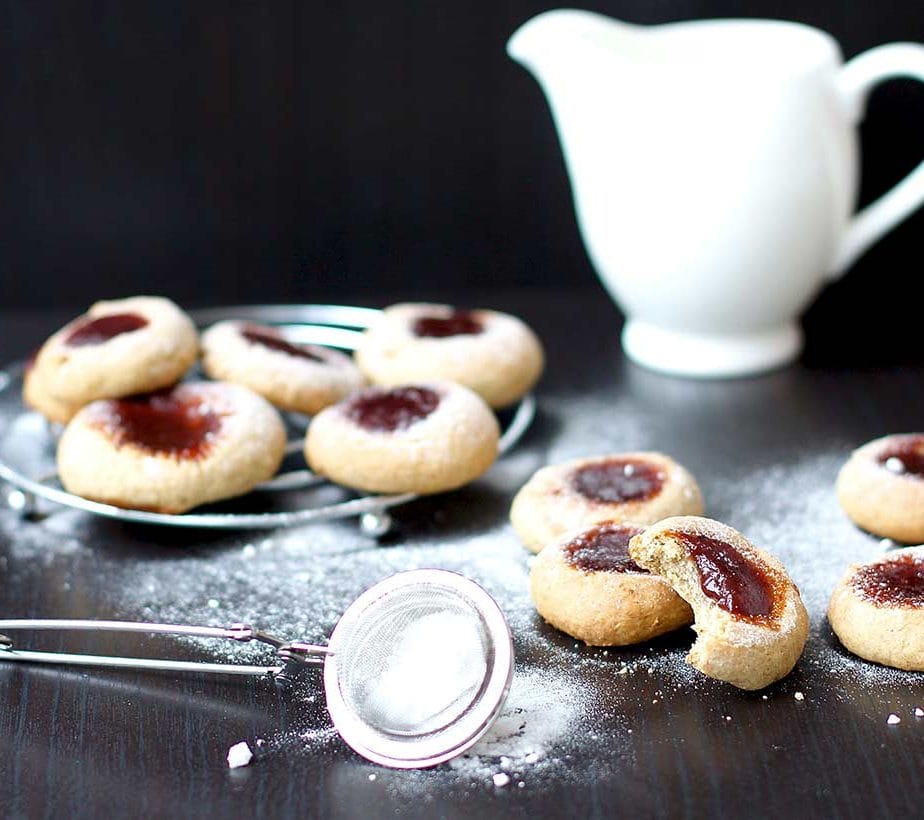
222 152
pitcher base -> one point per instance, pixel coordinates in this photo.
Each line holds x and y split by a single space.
709 356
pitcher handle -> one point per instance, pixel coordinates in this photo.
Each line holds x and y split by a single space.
856 80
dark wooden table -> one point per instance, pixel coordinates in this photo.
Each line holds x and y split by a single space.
630 731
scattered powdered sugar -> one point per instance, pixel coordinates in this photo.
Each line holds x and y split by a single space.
539 711
567 702
624 428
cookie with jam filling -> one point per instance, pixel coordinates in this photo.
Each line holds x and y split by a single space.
749 618
171 450
298 377
493 353
877 610
117 348
636 488
881 487
588 587
418 438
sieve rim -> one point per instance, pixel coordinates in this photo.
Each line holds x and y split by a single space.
453 739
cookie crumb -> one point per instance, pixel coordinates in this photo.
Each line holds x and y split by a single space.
239 755
799 696
893 719
501 779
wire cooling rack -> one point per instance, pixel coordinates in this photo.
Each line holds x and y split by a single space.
27 444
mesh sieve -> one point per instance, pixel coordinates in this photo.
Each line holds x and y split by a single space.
420 666
416 671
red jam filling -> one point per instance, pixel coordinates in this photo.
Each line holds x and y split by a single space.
96 331
163 423
389 410
618 480
270 339
604 548
726 576
905 458
458 323
895 582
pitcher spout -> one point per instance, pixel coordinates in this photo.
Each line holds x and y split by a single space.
562 34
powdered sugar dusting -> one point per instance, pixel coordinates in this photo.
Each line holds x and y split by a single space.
573 711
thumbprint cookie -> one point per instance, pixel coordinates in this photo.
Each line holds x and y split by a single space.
38 398
750 621
171 450
636 488
492 353
588 587
881 487
422 438
117 348
297 377
877 610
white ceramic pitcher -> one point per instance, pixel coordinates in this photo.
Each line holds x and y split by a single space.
714 166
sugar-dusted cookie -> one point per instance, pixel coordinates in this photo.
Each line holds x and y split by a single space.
299 377
750 621
172 450
422 438
35 396
116 349
637 488
877 610
589 587
881 487
493 353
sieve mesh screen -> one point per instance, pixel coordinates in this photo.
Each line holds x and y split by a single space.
415 662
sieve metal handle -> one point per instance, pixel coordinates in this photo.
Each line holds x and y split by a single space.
293 654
